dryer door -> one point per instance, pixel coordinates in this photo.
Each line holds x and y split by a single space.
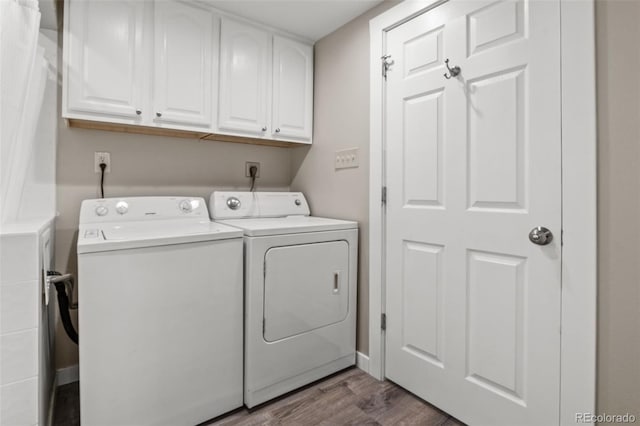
305 288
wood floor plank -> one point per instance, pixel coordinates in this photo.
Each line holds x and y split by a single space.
329 400
350 415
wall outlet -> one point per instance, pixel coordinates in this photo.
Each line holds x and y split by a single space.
347 158
248 165
99 158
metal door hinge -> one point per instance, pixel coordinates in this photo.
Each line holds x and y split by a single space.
384 195
383 322
386 64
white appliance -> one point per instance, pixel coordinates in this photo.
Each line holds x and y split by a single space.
160 312
300 290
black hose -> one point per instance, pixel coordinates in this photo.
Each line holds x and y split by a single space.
63 304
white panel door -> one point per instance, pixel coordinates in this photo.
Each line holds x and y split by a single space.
292 89
244 78
105 57
184 51
473 164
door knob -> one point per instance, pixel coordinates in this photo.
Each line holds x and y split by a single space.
158 114
540 236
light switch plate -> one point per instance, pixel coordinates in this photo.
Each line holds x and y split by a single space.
347 158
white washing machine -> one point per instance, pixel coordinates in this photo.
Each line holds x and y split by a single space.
300 290
160 312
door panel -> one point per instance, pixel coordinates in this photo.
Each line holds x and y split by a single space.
423 52
472 165
300 296
184 47
244 77
422 292
497 133
105 50
495 24
495 321
292 89
423 149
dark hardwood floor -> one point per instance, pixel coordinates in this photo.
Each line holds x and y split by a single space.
67 405
350 397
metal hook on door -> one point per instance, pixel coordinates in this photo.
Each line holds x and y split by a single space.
387 62
453 72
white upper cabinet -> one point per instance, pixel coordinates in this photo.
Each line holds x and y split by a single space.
184 47
292 89
186 66
103 52
244 78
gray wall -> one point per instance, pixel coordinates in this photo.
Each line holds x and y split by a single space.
147 165
618 79
341 121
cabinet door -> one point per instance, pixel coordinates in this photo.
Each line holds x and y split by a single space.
244 78
292 89
184 50
104 57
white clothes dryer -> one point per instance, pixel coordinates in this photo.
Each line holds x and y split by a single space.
160 312
300 290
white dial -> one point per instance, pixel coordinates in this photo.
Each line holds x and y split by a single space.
122 207
101 210
185 206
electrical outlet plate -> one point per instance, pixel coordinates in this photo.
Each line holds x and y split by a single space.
101 157
347 158
248 165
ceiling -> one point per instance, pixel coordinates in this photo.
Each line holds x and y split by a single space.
312 19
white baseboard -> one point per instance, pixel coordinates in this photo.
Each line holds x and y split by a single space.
68 375
362 362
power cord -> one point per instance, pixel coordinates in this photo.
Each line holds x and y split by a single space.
103 167
253 171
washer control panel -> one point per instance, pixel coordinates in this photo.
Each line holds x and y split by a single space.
142 208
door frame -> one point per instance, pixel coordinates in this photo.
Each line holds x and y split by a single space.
579 199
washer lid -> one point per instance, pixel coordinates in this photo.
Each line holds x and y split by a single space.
288 225
128 235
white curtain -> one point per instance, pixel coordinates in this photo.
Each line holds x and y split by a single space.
21 89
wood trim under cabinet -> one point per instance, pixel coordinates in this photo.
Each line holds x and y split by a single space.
185 134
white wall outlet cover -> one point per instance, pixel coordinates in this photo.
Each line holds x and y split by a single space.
347 158
101 157
248 165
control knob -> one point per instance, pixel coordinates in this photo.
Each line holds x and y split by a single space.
185 206
101 210
122 207
233 203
